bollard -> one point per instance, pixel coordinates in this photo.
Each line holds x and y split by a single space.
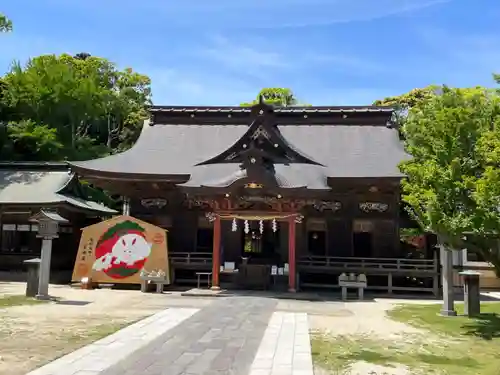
33 267
472 296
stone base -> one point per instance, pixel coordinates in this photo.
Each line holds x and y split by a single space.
43 297
448 313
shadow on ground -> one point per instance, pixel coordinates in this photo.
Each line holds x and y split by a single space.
300 296
73 303
485 326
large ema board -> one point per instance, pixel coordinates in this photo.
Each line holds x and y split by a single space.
119 249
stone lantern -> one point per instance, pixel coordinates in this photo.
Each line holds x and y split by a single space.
48 229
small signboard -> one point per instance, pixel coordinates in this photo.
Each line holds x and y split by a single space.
286 268
229 266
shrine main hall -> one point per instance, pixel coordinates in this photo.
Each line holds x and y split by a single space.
312 192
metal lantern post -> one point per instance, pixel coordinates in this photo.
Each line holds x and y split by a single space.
48 229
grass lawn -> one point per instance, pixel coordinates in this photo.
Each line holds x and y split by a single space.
16 300
454 345
90 334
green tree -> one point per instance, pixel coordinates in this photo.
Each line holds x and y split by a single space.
452 184
403 103
280 97
5 23
31 141
94 107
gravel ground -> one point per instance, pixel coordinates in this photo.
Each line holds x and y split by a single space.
33 335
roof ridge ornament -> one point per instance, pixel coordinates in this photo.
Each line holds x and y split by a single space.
263 135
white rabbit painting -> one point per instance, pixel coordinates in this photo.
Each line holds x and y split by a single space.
129 249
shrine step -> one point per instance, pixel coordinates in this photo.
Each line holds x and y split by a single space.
195 292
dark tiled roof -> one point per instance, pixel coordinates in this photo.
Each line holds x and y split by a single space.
345 151
169 149
292 109
39 185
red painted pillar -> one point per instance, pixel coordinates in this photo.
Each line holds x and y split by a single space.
216 254
291 255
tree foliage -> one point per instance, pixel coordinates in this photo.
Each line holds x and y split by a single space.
5 23
280 97
453 179
403 103
29 140
89 106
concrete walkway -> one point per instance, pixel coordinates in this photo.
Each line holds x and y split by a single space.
235 335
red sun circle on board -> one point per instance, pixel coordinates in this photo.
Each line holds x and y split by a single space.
122 250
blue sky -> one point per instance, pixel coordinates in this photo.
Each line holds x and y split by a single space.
222 52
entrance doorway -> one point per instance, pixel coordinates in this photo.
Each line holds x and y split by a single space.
362 244
259 252
362 239
261 247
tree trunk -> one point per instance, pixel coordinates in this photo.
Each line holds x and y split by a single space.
108 143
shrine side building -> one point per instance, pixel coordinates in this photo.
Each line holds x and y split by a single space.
26 188
311 191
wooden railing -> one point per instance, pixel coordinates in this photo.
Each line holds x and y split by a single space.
369 263
330 262
190 258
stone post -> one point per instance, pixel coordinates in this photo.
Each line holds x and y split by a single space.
472 295
447 280
44 277
33 268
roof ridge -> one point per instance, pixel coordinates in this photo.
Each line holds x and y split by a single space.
303 109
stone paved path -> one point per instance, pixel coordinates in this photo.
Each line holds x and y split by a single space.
231 336
285 348
220 339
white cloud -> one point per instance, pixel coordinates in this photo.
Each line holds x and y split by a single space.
265 14
184 87
181 87
230 68
274 60
260 14
243 59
